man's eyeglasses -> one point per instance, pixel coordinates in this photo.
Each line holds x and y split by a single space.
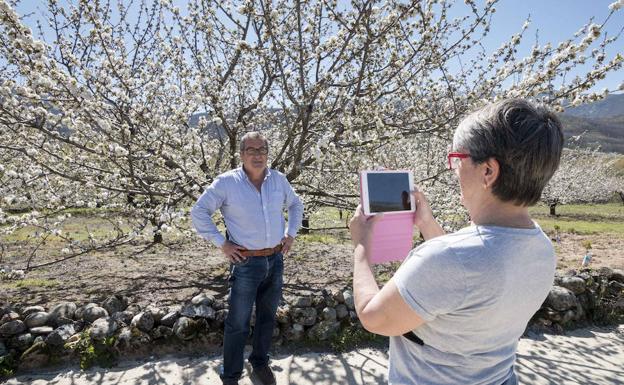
454 159
256 151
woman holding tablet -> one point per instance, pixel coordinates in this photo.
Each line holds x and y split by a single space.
458 304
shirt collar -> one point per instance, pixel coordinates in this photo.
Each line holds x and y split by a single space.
267 173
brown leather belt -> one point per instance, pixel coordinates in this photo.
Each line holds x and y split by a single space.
261 252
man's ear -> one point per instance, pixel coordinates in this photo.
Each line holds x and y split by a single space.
491 172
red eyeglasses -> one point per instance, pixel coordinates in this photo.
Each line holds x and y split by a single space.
454 158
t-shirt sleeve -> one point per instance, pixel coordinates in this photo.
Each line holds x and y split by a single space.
431 281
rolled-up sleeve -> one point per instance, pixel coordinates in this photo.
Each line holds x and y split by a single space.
201 213
295 210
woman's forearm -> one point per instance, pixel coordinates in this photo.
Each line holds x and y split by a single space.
430 229
364 284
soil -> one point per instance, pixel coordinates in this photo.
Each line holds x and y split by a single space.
174 273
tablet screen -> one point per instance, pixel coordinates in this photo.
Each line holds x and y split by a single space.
388 191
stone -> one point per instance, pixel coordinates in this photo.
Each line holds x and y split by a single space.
349 300
295 332
568 316
134 309
8 317
34 357
124 317
587 300
605 271
203 299
12 328
143 321
115 303
161 331
324 330
170 318
617 275
220 316
93 313
21 342
42 330
60 321
103 328
60 335
282 316
338 296
61 312
559 298
319 302
5 308
124 337
342 311
36 319
185 328
305 301
156 312
575 284
616 288
329 314
3 349
32 309
200 311
79 314
305 315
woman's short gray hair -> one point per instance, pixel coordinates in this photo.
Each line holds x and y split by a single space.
253 135
525 139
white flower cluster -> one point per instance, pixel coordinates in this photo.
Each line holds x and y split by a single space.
8 274
135 129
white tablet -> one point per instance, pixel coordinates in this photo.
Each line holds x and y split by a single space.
387 191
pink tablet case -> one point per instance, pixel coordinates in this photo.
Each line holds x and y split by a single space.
393 236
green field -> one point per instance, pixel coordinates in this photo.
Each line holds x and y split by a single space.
582 218
579 219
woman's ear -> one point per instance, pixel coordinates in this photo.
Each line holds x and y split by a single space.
490 172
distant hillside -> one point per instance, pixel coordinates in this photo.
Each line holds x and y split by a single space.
601 123
612 105
607 133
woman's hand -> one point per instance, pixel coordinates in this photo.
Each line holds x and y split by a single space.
361 227
423 213
423 217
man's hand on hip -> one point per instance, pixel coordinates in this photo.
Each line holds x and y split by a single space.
232 253
287 242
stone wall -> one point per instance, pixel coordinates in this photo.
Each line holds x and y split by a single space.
93 333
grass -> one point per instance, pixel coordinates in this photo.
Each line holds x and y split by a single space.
329 217
607 218
317 238
573 218
30 282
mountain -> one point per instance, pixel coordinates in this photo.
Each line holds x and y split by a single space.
600 123
612 105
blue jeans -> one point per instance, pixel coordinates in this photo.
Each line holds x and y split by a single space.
259 280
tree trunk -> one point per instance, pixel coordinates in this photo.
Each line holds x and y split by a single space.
305 226
621 194
158 238
553 206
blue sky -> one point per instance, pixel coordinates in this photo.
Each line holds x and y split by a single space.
556 20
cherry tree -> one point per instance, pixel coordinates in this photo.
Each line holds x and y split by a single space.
135 108
585 175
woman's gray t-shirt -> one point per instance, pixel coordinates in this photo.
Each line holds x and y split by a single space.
476 289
